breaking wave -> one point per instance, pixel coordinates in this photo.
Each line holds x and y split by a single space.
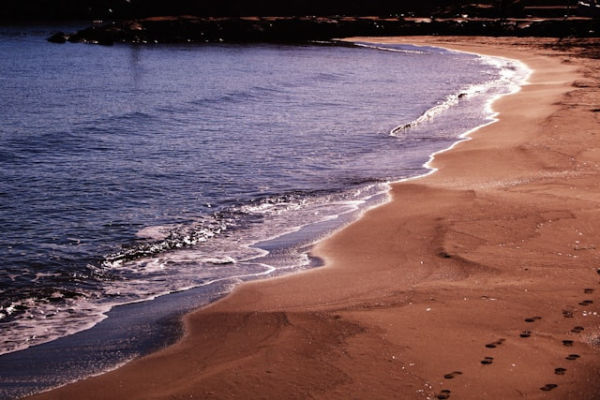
512 74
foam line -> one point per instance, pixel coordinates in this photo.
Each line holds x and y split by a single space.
509 76
514 73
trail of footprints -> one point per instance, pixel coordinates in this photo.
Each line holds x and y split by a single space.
445 393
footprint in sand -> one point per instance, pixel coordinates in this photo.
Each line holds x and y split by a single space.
567 343
444 394
452 374
567 314
573 357
532 319
588 291
496 343
487 360
560 371
577 329
525 334
586 302
548 387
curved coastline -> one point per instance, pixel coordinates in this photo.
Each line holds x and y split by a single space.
174 236
319 333
79 370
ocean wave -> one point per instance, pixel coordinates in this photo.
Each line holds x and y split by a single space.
390 48
223 247
511 76
236 96
179 237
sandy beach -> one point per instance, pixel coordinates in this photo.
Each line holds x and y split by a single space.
479 281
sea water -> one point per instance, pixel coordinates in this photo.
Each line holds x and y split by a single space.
131 172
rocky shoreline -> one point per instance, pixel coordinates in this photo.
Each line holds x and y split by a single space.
191 29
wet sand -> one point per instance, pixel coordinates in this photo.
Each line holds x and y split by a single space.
480 281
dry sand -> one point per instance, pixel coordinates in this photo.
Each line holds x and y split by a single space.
494 258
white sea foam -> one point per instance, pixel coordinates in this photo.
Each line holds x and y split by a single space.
48 321
512 74
230 257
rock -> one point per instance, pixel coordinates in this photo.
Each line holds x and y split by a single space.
58 37
188 29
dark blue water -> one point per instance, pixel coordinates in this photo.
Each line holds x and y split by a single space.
128 172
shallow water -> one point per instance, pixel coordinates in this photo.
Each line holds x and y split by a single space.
130 172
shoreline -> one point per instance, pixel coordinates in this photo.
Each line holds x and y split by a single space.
319 333
77 369
466 136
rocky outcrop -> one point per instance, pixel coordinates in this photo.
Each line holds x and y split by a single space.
58 37
191 29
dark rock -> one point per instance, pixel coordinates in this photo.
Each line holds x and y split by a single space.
58 37
185 29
